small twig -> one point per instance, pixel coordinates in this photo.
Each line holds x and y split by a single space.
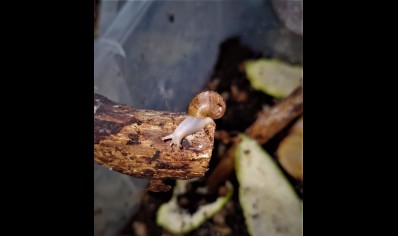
272 121
267 125
129 141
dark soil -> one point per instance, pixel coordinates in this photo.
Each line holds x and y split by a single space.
243 104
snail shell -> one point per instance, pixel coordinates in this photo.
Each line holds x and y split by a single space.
207 104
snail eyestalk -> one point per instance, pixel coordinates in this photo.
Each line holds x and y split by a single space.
205 107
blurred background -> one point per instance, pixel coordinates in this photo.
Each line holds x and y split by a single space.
159 54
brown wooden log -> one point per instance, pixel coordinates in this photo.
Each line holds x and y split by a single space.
129 141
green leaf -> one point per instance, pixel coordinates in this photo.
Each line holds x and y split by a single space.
270 205
177 220
273 77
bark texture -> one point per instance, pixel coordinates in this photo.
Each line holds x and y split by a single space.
129 141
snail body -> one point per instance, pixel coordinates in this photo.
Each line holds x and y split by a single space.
203 108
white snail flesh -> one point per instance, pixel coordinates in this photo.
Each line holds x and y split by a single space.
205 107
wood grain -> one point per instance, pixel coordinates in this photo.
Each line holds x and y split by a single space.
128 140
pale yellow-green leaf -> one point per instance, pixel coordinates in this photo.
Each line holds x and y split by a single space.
273 77
270 205
178 220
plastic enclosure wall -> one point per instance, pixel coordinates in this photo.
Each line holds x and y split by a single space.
157 55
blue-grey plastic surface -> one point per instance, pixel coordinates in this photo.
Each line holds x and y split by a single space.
148 60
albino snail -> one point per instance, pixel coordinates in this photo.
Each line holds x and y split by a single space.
203 108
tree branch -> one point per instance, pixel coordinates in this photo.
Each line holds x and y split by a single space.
267 125
272 121
128 140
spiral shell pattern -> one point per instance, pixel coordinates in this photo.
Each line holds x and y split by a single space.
207 104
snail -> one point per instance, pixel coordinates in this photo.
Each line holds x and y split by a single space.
203 109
